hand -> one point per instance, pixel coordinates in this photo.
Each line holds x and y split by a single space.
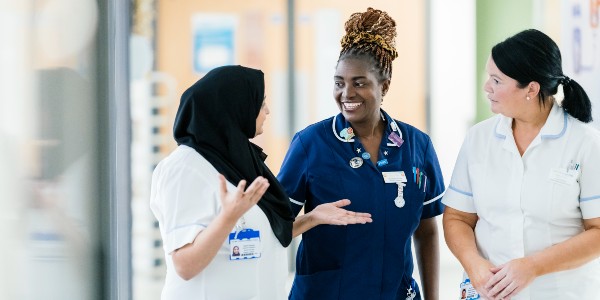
511 278
237 202
480 275
333 214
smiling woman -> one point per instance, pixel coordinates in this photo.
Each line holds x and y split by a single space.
385 167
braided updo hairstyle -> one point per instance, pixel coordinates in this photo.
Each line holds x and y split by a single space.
371 35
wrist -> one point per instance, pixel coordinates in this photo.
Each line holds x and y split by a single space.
227 219
532 263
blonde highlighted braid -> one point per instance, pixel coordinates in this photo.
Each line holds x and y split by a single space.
371 33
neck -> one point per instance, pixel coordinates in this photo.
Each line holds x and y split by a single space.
366 131
535 120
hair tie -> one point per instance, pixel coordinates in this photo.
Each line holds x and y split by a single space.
565 80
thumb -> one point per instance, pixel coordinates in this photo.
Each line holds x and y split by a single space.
341 203
223 185
496 269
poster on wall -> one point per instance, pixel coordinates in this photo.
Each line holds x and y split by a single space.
581 48
213 38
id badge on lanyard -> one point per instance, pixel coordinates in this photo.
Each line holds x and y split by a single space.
467 291
244 243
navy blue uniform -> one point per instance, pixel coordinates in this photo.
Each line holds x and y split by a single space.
362 261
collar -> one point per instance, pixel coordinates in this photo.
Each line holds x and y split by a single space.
555 126
343 131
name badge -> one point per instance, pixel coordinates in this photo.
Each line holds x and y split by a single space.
244 244
467 291
394 177
562 176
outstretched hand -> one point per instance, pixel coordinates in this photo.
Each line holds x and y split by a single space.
236 203
333 214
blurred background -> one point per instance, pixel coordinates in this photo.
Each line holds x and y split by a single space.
89 90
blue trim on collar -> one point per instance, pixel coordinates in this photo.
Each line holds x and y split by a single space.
391 126
555 136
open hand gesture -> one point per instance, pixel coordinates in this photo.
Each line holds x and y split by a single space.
236 203
333 214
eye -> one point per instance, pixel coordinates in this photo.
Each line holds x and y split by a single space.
359 84
496 81
338 84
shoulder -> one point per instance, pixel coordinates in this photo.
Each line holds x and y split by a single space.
316 130
486 125
414 136
185 161
486 128
584 134
587 130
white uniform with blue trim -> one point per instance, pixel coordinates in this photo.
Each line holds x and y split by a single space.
529 203
364 261
185 199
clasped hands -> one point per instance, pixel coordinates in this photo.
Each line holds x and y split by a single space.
504 281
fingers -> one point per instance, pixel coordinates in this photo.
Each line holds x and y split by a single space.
341 203
498 288
240 188
494 280
256 189
223 184
508 292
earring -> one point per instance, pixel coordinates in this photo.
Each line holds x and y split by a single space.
528 98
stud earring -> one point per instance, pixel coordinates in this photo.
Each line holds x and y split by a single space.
528 98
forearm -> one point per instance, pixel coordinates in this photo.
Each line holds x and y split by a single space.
191 259
569 254
460 239
302 224
426 241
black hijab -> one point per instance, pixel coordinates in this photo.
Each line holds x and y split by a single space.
217 117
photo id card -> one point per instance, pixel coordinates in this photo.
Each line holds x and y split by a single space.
244 244
467 291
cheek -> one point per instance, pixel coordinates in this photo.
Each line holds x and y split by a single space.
336 93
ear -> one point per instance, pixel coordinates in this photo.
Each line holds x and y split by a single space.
533 89
385 86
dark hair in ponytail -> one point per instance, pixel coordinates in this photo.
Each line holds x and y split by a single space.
531 55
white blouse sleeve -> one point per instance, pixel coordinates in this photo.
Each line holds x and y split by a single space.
184 201
589 197
459 195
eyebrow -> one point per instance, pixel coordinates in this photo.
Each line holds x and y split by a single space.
353 78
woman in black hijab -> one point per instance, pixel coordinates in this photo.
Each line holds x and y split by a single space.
216 118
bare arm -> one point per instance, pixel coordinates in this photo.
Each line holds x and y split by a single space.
191 259
427 250
329 213
512 277
460 237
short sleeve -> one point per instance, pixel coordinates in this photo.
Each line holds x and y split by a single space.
184 201
292 174
588 180
459 194
435 184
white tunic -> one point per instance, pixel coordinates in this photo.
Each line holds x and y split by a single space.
185 199
529 203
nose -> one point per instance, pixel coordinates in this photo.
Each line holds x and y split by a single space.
348 91
487 87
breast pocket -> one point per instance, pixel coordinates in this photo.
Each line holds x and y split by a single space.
565 201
